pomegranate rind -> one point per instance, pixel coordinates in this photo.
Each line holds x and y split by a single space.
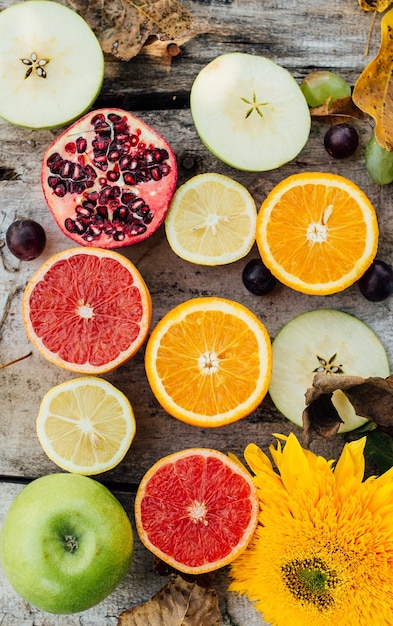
138 180
207 500
87 310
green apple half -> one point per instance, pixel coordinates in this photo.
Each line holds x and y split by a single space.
66 543
249 112
51 64
324 340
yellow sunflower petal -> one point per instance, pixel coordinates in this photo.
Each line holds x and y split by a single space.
257 460
351 463
293 464
322 553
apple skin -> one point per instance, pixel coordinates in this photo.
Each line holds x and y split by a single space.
75 73
32 543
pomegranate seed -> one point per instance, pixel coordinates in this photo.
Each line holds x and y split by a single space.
70 225
90 171
83 211
137 204
80 226
67 169
81 144
114 117
122 213
113 176
60 190
53 181
165 169
113 156
100 145
70 147
100 117
127 196
156 173
129 178
89 204
78 173
102 211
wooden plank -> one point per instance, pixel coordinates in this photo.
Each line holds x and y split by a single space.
139 585
298 34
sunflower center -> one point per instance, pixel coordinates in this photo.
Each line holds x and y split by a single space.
313 579
310 581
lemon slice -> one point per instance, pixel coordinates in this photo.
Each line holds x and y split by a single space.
85 425
211 220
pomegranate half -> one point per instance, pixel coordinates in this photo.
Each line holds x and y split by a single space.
109 179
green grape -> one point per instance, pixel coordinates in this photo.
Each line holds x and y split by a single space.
379 162
319 85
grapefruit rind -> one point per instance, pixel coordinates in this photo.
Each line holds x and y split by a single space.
205 523
85 432
154 357
281 269
59 317
323 334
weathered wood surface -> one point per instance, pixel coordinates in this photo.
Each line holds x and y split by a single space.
298 34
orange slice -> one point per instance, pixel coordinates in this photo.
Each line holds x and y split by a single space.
87 310
196 510
208 361
317 232
85 425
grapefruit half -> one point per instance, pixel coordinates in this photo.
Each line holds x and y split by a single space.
196 510
87 310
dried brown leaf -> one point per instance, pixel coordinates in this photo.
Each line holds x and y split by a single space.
337 112
371 398
179 603
373 91
123 26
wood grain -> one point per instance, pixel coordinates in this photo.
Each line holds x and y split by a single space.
300 36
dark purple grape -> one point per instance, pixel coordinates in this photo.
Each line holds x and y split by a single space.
257 278
376 284
26 239
341 141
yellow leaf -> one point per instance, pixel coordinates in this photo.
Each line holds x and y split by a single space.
375 5
373 91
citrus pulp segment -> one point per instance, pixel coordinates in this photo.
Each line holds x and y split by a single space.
211 220
87 310
85 425
324 340
249 111
208 361
317 232
196 510
51 64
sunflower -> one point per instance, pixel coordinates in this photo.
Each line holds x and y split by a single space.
322 553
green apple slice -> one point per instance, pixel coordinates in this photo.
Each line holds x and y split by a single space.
324 340
249 112
51 64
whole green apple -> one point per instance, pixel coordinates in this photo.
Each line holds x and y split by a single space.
66 543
